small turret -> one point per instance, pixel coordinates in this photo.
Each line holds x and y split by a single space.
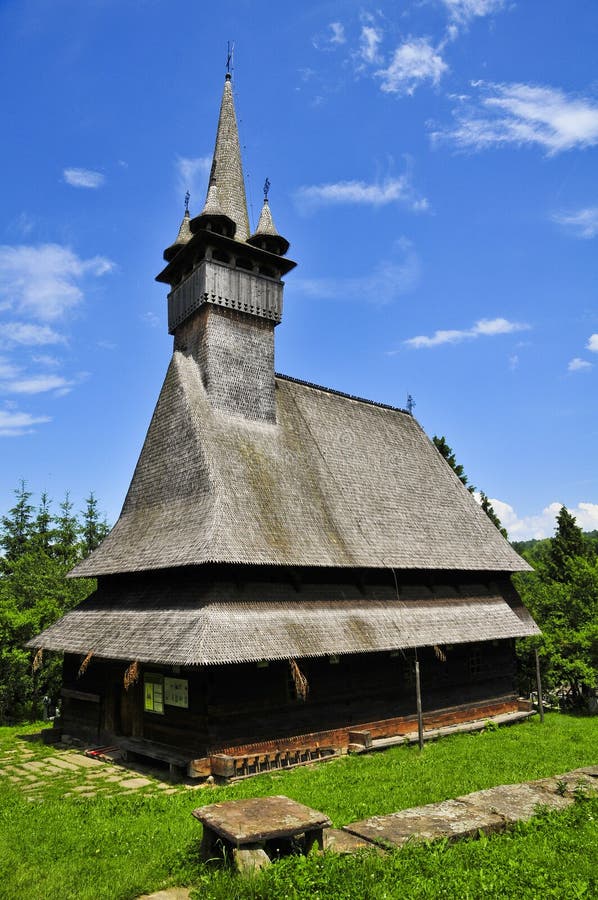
265 235
183 237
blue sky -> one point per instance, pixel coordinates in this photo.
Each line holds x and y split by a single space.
433 164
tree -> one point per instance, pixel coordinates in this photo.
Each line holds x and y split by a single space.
447 452
65 547
34 592
491 513
17 525
93 530
567 543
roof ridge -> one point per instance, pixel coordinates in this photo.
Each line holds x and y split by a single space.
329 390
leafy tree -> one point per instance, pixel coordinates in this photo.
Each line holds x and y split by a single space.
567 543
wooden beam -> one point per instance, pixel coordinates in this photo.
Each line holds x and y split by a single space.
539 686
418 696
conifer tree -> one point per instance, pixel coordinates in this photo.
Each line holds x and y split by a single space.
42 531
17 525
93 530
448 454
65 537
491 513
567 543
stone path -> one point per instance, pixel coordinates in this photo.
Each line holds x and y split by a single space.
40 771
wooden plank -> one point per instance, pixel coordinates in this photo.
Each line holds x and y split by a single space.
79 695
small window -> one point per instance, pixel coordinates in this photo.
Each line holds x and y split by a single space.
153 693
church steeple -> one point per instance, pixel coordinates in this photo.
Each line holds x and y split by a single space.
226 189
226 286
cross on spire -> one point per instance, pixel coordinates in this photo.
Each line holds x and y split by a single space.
230 50
187 198
266 188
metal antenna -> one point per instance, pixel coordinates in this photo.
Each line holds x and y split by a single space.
266 188
230 50
410 404
187 198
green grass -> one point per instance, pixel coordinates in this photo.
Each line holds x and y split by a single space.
123 846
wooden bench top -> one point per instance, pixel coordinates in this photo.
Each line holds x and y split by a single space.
260 819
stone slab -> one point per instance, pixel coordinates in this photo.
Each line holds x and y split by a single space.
337 840
567 783
176 893
135 782
450 819
62 763
260 819
514 802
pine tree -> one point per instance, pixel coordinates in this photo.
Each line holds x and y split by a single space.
42 527
567 543
17 525
93 530
65 537
448 454
491 513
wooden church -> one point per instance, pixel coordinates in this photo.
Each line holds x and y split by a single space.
285 552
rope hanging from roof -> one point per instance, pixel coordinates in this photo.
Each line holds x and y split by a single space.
131 675
300 681
84 664
37 660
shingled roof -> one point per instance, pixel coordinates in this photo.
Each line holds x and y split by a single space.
202 622
335 481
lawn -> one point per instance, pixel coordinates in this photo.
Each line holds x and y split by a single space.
123 845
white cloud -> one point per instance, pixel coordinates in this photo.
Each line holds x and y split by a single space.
192 176
369 42
391 190
464 10
593 343
43 281
523 114
483 327
543 524
387 282
583 222
37 384
83 178
13 424
579 365
7 369
151 319
413 62
338 33
28 334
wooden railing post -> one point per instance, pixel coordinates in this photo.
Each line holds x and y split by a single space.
539 687
420 718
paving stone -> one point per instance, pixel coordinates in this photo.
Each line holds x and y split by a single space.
514 802
177 893
171 791
450 819
135 783
82 762
62 763
33 765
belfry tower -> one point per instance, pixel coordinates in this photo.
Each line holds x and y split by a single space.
226 288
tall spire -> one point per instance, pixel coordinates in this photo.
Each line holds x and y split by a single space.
226 191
